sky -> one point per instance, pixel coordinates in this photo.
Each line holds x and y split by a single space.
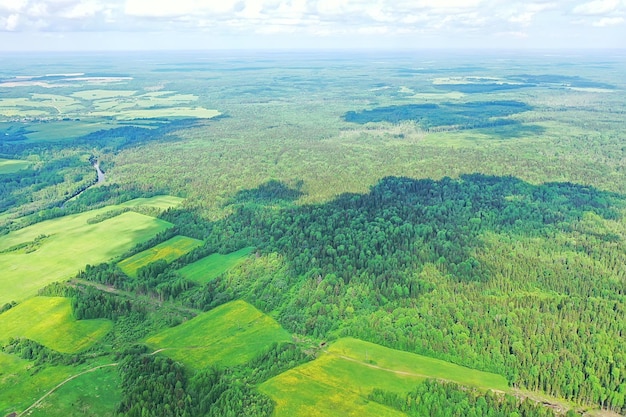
79 25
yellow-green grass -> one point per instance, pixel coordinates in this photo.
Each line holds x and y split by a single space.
169 250
95 393
67 245
131 114
102 94
8 166
338 382
20 387
49 321
210 267
228 335
162 202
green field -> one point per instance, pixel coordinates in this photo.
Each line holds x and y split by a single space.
162 202
49 321
8 166
20 387
338 382
210 267
95 393
53 250
169 250
228 335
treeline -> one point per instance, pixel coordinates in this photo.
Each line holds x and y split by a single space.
436 399
470 115
38 353
154 385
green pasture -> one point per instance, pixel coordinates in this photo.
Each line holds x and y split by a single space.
228 335
169 250
8 166
20 386
53 250
95 393
210 267
49 321
338 382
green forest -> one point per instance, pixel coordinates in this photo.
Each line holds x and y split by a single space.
465 211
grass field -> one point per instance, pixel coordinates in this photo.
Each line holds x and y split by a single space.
162 202
8 166
169 250
210 267
19 387
338 382
228 335
49 321
93 394
53 250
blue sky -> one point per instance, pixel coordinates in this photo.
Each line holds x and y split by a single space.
267 24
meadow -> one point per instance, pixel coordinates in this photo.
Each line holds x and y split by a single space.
228 335
20 386
12 165
56 249
168 251
338 382
49 321
95 393
210 267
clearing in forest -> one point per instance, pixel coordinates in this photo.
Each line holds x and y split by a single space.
8 166
49 321
169 250
210 267
339 381
228 335
54 250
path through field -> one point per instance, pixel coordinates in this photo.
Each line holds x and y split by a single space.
36 403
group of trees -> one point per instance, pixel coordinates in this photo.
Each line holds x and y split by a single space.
437 399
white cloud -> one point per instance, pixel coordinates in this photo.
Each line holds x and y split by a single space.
533 20
596 7
608 21
11 22
13 5
83 10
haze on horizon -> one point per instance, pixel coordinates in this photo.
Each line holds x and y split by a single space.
78 25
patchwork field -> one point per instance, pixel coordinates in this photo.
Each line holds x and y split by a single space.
210 267
8 166
49 321
56 249
228 335
338 382
68 116
169 250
